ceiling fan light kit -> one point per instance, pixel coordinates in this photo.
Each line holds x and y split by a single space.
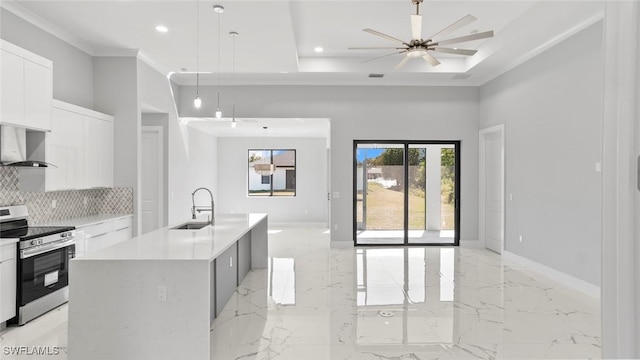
419 47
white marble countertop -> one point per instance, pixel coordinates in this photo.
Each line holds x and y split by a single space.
85 221
169 244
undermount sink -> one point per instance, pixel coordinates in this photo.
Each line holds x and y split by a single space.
191 226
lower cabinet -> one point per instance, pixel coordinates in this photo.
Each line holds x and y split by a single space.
226 279
7 282
97 236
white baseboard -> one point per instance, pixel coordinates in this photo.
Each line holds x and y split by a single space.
565 279
299 224
340 244
472 244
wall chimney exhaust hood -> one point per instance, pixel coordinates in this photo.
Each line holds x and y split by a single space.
13 148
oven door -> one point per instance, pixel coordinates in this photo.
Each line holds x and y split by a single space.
44 270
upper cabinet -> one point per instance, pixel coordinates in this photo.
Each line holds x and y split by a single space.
26 89
80 144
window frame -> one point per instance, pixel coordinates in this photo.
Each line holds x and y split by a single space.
271 192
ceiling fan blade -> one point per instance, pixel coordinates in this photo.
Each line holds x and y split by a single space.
380 57
416 27
373 48
378 33
482 35
455 26
455 51
431 60
402 62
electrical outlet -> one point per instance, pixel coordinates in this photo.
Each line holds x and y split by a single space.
335 226
521 238
54 203
162 293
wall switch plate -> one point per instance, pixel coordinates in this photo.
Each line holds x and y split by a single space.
85 201
510 197
336 195
54 203
335 226
598 167
521 238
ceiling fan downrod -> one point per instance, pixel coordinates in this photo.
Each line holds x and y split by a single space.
417 4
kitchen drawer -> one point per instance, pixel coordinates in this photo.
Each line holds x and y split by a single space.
122 223
98 229
7 252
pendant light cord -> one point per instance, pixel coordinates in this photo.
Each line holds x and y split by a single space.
218 61
197 48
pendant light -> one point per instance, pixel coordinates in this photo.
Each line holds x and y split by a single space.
197 102
218 9
264 169
234 35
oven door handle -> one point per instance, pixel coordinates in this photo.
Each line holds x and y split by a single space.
27 253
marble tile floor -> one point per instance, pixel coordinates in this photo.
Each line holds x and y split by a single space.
317 302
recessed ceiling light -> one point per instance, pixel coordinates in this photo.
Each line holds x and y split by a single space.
162 29
318 49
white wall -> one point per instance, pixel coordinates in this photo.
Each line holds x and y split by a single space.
191 153
367 113
72 68
552 110
310 203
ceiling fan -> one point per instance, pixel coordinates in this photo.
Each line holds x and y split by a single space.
418 47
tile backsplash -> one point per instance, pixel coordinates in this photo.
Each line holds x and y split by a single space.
68 204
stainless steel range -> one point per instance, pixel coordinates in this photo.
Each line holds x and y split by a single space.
43 263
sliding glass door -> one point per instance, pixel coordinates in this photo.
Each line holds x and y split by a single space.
405 193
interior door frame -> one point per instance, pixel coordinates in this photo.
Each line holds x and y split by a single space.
482 182
159 131
457 144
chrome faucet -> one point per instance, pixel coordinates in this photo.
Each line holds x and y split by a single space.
212 220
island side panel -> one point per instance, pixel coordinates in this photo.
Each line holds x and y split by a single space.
119 309
244 256
260 245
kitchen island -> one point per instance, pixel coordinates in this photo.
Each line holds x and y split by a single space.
155 296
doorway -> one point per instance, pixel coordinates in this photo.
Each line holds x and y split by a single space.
492 188
406 192
152 165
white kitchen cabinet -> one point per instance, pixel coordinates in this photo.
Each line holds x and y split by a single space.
98 152
105 233
64 149
12 95
7 281
80 144
27 88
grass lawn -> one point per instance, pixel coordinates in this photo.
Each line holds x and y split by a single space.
385 210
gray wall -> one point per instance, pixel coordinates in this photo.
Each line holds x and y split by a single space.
72 68
310 203
116 93
361 112
552 110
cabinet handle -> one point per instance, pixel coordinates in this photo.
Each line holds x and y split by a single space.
230 262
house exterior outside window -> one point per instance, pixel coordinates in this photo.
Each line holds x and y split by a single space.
282 182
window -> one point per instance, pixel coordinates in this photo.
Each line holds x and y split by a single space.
282 182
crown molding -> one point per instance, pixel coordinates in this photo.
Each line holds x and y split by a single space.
27 15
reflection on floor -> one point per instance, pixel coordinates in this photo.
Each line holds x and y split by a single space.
374 237
314 302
